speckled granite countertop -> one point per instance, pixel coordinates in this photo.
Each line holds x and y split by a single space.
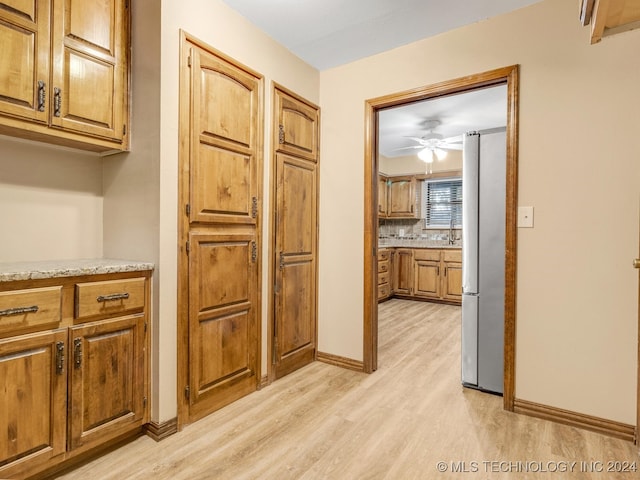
12 271
414 244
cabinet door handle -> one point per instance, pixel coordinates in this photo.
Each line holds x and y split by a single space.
42 95
254 252
18 311
59 358
281 260
254 207
57 101
113 296
77 352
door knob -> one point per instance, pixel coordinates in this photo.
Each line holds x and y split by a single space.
636 263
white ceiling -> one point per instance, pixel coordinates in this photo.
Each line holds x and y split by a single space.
479 110
328 33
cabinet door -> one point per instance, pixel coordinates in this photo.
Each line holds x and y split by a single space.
402 197
224 138
402 267
33 407
24 63
298 127
223 325
427 279
452 281
89 80
382 197
296 264
106 393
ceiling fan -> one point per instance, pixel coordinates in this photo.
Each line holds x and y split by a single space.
434 144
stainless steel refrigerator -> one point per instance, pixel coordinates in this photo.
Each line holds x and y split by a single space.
483 249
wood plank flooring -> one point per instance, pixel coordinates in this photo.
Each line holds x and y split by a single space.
324 422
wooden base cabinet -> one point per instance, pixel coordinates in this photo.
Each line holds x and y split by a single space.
384 274
426 273
79 383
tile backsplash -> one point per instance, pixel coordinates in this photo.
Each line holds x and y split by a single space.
412 230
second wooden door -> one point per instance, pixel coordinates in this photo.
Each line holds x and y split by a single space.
295 234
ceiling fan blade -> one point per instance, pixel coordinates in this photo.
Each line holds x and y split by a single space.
451 146
412 147
456 139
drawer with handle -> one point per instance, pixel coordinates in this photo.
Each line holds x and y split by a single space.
30 309
109 298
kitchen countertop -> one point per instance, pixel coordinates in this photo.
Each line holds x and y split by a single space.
397 243
13 271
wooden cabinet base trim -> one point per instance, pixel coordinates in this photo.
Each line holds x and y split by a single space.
573 419
339 361
160 431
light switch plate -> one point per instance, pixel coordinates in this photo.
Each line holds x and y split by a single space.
525 217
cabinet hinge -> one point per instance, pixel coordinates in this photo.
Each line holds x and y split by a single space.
144 402
187 209
145 327
188 248
124 129
189 61
274 353
254 252
187 392
254 207
281 134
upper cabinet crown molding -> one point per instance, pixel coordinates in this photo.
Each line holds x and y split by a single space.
64 76
608 17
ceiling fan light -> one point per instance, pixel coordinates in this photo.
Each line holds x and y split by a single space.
440 153
426 155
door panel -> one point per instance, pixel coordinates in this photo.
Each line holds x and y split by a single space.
223 328
33 389
224 184
297 127
452 281
296 205
403 272
107 378
24 63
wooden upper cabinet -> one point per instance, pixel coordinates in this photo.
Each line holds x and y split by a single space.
90 77
223 160
24 63
298 127
383 204
64 72
402 197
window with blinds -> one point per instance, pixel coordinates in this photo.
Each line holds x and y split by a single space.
442 202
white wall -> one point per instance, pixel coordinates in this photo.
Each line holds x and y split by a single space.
50 202
577 295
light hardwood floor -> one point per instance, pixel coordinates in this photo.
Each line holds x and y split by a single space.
324 422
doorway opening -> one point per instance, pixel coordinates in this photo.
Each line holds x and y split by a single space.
507 76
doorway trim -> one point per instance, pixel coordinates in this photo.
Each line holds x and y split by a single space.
509 76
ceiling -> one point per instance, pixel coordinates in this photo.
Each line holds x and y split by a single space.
328 33
481 109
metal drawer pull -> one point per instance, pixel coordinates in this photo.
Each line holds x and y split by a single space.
42 95
18 311
114 296
77 352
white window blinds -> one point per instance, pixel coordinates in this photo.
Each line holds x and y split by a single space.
442 202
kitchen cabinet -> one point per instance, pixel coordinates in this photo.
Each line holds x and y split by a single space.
402 197
73 366
383 204
64 72
402 267
452 275
426 267
433 274
384 274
